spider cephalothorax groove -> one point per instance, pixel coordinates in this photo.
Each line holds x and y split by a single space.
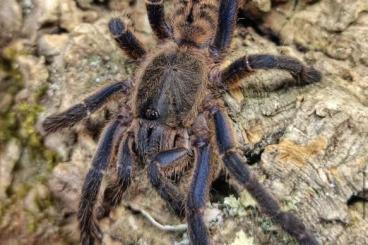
175 115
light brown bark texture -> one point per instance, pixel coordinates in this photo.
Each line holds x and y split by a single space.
313 140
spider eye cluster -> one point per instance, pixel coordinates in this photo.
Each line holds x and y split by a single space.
151 114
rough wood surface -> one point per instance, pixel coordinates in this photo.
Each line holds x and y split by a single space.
313 140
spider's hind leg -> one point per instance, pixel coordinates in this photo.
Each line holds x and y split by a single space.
247 64
126 39
226 23
239 169
156 17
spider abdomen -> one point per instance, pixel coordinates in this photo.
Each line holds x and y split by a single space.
170 87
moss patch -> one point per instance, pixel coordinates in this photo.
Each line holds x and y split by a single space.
18 121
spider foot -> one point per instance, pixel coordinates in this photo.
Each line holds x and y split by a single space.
126 39
102 212
112 197
65 119
309 75
91 234
296 228
78 112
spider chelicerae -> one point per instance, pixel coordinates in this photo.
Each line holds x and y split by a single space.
175 117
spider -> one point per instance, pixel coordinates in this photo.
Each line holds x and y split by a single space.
176 118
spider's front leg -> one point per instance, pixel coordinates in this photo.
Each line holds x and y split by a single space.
87 222
199 188
169 192
196 200
115 190
78 112
239 169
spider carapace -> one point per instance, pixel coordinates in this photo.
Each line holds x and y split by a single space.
171 87
176 118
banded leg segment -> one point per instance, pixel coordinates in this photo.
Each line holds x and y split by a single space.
87 222
239 169
196 200
165 188
225 28
126 39
76 113
156 17
114 191
243 66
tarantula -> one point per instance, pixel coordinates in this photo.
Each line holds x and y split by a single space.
175 115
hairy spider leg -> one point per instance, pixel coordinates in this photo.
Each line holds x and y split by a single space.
244 65
239 169
103 155
126 39
156 17
199 188
76 113
114 191
164 187
225 27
